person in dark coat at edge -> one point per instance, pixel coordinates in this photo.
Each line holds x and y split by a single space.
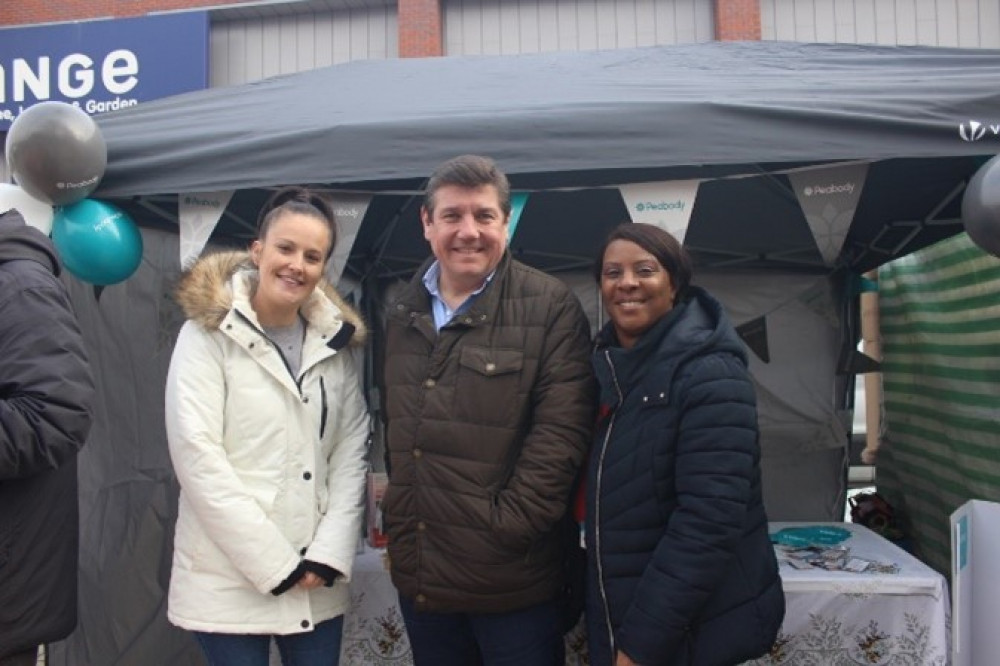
680 566
46 392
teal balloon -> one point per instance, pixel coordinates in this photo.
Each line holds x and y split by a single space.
97 242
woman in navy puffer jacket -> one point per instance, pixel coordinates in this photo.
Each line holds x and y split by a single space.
680 566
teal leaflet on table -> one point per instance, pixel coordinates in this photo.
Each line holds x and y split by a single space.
810 535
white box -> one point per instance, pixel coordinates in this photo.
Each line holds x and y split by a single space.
975 583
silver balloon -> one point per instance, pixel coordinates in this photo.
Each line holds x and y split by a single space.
56 152
981 207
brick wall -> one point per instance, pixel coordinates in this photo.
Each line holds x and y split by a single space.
420 28
737 20
21 12
420 25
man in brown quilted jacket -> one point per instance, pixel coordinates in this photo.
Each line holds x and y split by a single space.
489 402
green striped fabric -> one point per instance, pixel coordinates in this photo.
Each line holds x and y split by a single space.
940 327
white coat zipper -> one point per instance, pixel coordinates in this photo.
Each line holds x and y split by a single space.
276 348
597 510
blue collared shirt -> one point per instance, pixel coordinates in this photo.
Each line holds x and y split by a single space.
442 313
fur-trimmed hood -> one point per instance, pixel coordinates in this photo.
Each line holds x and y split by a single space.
205 293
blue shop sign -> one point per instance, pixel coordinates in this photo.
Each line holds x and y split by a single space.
102 65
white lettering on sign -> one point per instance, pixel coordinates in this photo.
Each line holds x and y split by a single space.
75 76
24 77
119 71
100 107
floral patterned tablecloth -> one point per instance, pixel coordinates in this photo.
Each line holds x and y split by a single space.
373 628
896 613
374 633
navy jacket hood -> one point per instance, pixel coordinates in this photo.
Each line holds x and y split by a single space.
697 324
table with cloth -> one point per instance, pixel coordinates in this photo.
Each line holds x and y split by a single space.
374 633
895 612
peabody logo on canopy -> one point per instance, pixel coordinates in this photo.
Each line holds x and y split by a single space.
975 130
346 212
194 200
660 205
843 188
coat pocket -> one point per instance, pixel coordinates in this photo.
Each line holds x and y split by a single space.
488 386
655 449
489 362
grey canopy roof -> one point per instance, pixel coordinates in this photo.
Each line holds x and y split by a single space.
588 120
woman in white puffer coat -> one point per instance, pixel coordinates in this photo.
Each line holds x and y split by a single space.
267 432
